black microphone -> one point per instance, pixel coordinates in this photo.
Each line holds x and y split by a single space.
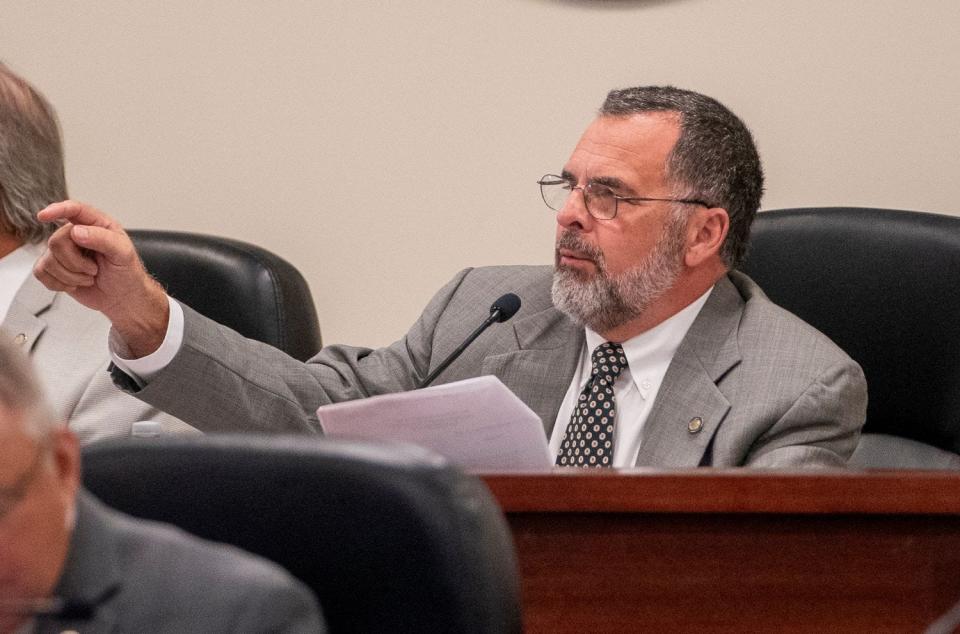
503 309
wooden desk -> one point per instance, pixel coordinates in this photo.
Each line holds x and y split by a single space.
734 551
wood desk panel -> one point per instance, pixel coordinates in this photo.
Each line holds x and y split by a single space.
734 551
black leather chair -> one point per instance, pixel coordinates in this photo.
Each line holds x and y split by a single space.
390 537
885 286
240 285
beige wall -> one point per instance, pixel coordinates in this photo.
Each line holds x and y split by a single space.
381 146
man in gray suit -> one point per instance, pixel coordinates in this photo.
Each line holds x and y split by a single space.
69 563
65 341
642 346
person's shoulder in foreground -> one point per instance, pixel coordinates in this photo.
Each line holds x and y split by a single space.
69 563
150 577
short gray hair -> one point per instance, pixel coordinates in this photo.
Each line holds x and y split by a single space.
21 394
714 160
31 158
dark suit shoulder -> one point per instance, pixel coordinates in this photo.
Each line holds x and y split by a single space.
184 583
163 548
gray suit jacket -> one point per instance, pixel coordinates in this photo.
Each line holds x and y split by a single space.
67 346
769 390
148 577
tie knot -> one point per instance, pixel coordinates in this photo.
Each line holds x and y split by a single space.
608 360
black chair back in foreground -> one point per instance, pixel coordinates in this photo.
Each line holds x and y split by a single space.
885 286
240 285
391 537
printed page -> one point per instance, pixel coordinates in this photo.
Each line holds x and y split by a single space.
477 423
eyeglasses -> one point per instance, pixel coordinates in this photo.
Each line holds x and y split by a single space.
11 495
599 199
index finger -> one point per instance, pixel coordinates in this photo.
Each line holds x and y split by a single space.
77 213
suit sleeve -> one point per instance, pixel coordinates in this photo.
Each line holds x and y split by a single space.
220 381
822 426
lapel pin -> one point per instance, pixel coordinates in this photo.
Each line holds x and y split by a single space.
695 425
20 339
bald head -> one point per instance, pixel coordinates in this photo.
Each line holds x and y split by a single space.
31 158
39 478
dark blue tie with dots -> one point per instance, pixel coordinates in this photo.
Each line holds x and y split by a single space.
588 441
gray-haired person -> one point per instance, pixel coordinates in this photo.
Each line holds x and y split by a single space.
65 341
67 562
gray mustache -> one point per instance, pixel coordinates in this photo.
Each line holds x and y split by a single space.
570 240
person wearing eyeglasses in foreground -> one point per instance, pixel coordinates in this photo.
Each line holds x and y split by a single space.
67 562
642 345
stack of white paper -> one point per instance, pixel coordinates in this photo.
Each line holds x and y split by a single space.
477 423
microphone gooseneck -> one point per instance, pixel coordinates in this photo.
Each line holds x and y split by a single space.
503 309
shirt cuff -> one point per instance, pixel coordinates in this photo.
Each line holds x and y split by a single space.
142 370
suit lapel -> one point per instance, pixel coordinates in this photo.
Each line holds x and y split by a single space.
540 370
23 323
690 407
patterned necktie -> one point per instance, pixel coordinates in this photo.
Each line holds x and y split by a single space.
588 440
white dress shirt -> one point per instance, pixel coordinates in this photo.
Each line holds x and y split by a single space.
15 268
648 356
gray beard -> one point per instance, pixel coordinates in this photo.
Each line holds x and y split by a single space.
603 302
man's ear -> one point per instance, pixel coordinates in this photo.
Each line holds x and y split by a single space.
706 231
66 455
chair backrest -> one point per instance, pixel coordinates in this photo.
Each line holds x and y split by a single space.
240 285
885 286
390 537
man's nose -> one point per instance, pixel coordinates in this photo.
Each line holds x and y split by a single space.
574 211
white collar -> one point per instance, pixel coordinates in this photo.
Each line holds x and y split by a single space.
650 352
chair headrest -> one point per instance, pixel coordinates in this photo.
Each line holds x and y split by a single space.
240 285
386 534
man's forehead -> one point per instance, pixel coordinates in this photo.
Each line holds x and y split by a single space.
626 146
